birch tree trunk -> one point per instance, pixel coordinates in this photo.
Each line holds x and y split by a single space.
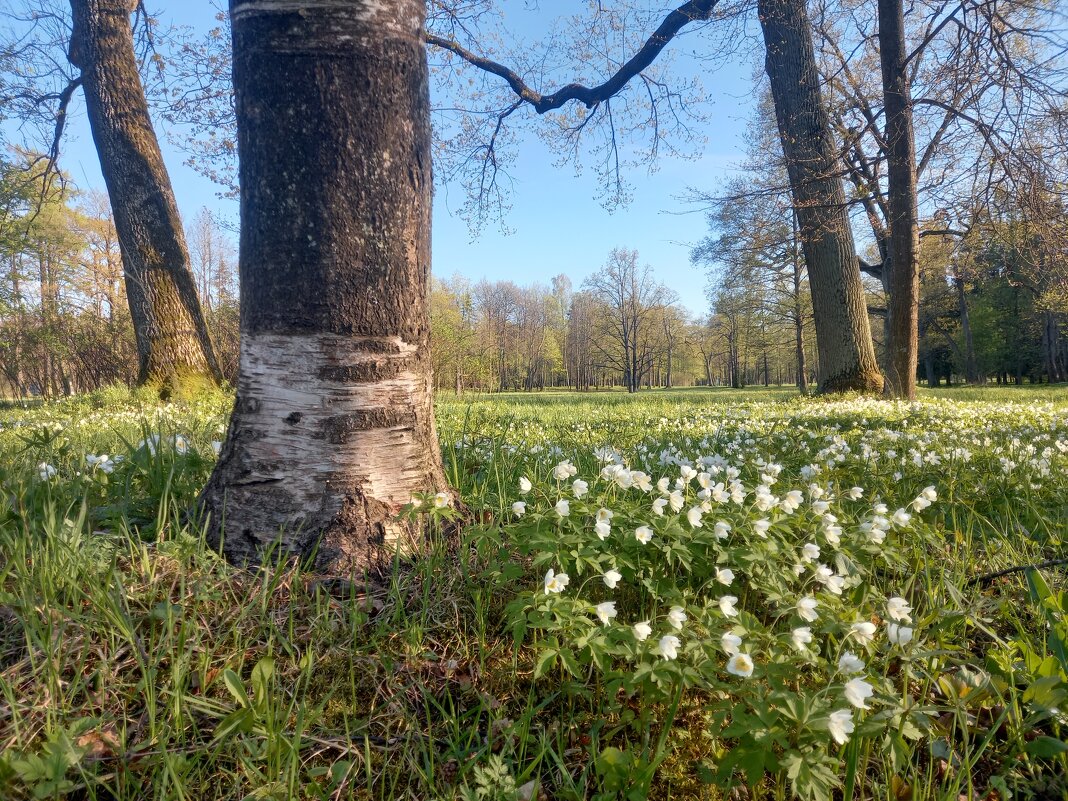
333 428
846 355
902 268
169 327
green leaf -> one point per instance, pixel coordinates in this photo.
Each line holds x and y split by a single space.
1037 586
1060 649
1047 692
811 776
237 722
340 770
545 660
1046 747
620 770
261 679
236 687
567 656
751 763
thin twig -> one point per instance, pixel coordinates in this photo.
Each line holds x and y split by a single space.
986 578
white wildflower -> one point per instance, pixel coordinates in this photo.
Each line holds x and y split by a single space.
555 582
668 647
840 725
606 611
676 617
857 691
806 608
740 665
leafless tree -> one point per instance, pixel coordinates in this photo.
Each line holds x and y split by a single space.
632 298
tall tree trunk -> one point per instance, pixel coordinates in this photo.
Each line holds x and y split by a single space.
929 368
333 427
903 266
971 367
843 335
15 372
799 317
1050 337
929 364
172 337
733 364
1062 350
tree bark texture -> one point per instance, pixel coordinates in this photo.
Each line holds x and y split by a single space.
971 366
171 334
798 313
843 334
333 428
1050 346
902 267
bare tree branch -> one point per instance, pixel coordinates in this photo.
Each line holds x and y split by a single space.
693 11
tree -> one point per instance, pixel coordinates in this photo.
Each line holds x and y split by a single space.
631 298
214 262
673 324
172 336
753 243
975 84
903 255
581 323
64 327
846 353
843 336
453 333
498 305
333 429
579 107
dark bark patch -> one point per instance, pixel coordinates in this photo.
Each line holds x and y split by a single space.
864 382
380 346
293 418
340 428
356 536
365 372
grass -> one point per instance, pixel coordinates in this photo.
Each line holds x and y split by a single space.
134 663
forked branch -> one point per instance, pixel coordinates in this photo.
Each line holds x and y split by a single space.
693 11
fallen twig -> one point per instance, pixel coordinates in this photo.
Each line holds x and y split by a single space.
986 578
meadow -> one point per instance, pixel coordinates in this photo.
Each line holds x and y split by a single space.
691 594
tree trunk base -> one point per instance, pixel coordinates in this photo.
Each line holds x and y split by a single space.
347 533
180 384
864 382
319 466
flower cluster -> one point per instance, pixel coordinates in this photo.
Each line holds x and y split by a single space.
788 556
774 571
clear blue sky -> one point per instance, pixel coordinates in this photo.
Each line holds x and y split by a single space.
558 226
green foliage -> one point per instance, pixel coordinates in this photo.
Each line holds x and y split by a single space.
492 782
134 662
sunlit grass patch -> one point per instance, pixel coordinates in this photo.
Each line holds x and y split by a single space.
135 663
